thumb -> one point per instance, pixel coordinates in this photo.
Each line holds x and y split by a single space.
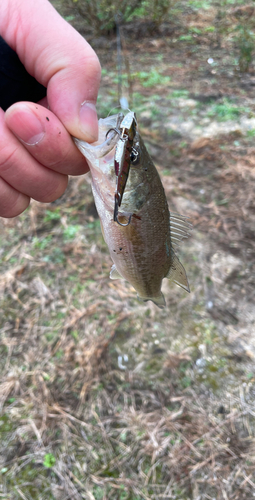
59 58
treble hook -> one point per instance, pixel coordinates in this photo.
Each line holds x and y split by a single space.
128 222
115 215
116 130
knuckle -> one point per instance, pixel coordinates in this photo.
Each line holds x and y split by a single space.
57 159
96 66
91 68
7 157
53 190
12 203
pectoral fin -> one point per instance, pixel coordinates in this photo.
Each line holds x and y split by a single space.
114 273
177 274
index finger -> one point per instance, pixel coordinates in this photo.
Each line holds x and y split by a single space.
45 137
59 58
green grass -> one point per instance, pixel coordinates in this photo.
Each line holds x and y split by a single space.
70 231
200 4
148 79
176 94
251 133
52 215
42 243
226 110
49 460
152 78
186 38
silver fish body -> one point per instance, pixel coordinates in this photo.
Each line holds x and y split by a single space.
142 251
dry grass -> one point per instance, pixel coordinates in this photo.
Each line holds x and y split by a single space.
134 433
129 440
112 433
102 397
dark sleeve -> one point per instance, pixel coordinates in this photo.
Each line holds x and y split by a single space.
15 83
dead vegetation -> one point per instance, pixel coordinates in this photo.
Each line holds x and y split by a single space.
109 432
140 442
103 397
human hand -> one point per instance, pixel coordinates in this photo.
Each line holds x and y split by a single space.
36 149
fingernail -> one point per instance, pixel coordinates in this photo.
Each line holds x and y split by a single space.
89 121
26 126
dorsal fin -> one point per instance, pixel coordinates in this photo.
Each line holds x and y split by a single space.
179 227
177 273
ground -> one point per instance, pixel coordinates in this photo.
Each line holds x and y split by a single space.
103 396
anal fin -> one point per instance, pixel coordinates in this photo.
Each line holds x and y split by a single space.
177 274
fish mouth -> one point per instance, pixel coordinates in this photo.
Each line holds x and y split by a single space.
95 151
106 142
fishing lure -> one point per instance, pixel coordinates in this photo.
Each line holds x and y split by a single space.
124 154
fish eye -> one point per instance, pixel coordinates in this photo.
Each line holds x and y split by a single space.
134 156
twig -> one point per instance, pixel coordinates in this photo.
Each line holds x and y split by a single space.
20 493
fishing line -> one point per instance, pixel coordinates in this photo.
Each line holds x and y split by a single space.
115 107
119 40
119 55
122 100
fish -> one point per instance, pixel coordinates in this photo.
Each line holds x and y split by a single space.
143 239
